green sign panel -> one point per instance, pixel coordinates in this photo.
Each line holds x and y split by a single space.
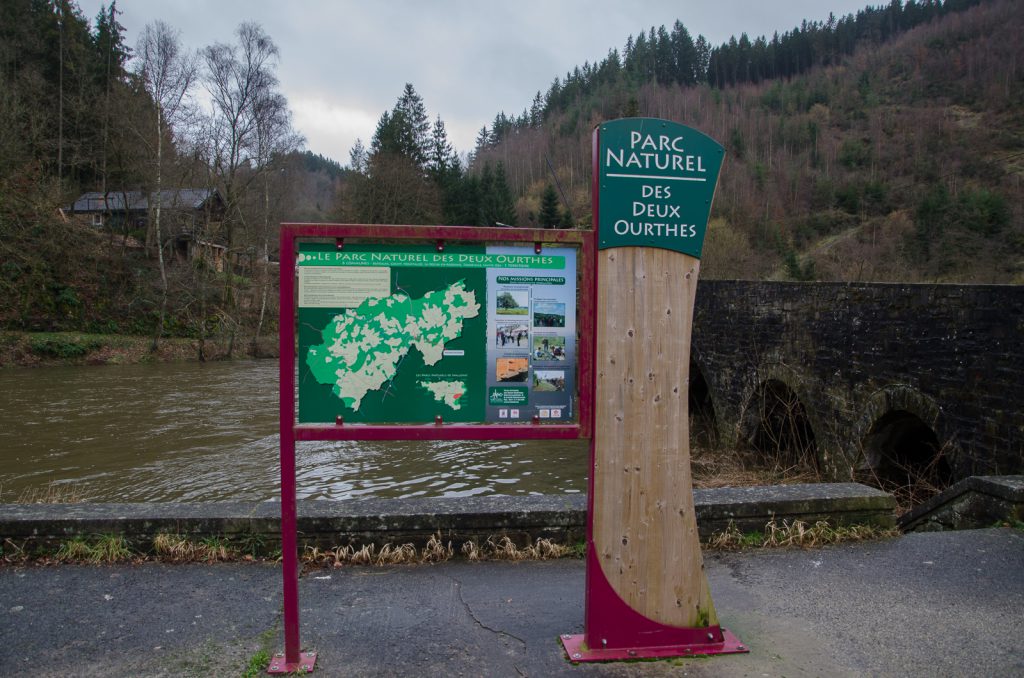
657 179
406 334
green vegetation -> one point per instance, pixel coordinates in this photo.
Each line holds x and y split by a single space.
549 216
105 548
45 348
64 346
411 174
77 117
258 664
702 617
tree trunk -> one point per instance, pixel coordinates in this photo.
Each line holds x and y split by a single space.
158 333
265 256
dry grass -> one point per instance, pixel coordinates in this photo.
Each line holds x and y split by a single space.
174 547
503 549
917 483
178 548
545 549
471 550
506 549
717 467
397 555
436 551
796 533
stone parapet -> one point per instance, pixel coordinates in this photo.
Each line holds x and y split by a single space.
398 521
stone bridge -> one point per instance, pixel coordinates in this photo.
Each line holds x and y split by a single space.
860 379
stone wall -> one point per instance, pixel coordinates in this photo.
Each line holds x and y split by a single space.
42 528
870 362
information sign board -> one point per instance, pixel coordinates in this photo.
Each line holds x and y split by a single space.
657 179
409 334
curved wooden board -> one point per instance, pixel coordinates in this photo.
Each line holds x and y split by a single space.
644 527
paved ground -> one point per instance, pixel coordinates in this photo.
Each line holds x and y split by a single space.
939 604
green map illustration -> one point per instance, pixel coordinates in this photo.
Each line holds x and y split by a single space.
448 392
363 348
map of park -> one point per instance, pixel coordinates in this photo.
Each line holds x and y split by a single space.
447 392
363 347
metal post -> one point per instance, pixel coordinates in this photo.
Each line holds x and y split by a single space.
293 660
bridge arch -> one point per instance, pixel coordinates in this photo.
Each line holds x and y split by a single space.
903 445
701 402
776 425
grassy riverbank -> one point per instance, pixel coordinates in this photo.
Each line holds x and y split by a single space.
39 349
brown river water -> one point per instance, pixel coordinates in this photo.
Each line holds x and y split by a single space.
208 432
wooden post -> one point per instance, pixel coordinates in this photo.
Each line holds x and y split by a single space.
647 594
645 530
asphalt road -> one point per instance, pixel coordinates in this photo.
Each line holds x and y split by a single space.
938 604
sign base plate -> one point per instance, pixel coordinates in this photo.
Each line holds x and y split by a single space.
577 650
280 666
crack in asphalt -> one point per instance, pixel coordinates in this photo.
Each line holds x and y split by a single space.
472 615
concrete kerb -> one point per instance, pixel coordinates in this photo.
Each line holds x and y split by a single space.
41 527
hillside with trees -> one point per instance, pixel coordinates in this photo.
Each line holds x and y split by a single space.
411 174
887 145
882 146
84 114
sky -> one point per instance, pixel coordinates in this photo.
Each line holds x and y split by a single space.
343 63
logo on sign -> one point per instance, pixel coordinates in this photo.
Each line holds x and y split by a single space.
657 179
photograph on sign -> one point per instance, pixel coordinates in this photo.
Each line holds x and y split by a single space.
407 334
547 296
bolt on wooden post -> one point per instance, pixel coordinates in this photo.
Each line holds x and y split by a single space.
647 594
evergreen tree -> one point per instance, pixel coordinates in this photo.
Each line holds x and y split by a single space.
414 125
442 158
504 205
405 130
399 186
684 56
483 140
109 47
486 194
567 220
537 110
496 204
384 139
445 169
357 157
464 209
550 216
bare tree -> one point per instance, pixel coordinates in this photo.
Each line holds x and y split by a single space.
240 79
167 72
253 133
275 138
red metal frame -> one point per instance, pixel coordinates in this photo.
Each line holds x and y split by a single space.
293 660
612 630
524 431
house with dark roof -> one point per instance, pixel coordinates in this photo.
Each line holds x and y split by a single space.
189 218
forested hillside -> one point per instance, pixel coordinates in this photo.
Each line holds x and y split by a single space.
83 112
885 146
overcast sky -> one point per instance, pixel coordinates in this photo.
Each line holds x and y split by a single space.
344 63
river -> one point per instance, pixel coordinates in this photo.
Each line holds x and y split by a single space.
208 432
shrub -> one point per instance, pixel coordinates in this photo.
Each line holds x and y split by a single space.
64 347
982 211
